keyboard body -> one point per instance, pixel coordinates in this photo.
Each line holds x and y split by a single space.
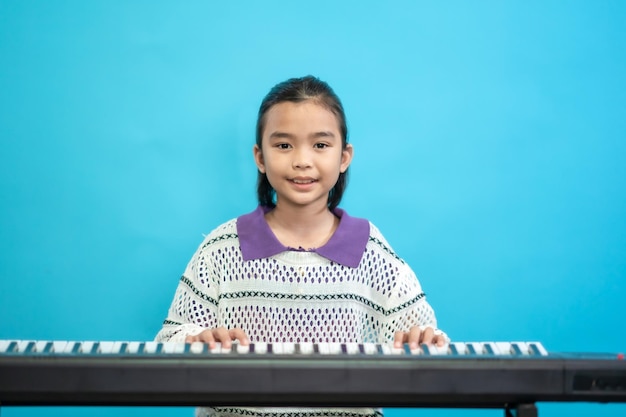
469 375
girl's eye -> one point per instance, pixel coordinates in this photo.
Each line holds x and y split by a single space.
283 146
321 145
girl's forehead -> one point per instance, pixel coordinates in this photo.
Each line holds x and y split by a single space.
304 112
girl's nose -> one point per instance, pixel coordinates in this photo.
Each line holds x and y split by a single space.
301 160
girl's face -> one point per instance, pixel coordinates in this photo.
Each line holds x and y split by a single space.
302 153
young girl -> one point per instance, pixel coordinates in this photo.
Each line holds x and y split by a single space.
299 269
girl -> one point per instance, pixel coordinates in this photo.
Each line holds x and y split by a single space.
299 269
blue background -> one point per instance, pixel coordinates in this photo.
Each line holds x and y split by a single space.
489 140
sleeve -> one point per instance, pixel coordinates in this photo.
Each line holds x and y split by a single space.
194 307
415 311
405 301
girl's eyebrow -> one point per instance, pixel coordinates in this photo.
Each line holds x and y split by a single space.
285 135
281 135
323 134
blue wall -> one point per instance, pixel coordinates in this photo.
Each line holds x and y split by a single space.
489 140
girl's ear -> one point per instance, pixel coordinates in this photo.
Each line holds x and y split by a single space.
258 158
346 157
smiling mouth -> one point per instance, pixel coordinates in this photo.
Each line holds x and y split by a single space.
303 180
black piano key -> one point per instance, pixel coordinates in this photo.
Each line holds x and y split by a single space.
361 349
344 349
12 347
30 347
471 350
407 349
489 349
251 350
379 349
48 348
515 349
296 348
270 348
453 350
425 349
534 349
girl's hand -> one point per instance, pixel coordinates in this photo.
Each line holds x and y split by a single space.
220 335
419 335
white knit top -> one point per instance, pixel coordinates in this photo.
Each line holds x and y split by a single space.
295 296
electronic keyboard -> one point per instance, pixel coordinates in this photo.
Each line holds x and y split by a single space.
460 374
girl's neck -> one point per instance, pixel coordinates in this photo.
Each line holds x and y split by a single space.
302 227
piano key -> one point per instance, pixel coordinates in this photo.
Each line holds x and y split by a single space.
438 350
242 349
30 347
22 346
87 347
217 349
289 348
490 348
370 348
197 348
71 347
133 347
41 345
323 348
119 347
414 351
537 349
306 348
260 347
173 347
106 347
334 348
352 348
151 347
58 346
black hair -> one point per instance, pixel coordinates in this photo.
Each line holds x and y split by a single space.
297 90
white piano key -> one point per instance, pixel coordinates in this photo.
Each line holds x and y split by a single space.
87 347
352 348
133 347
40 346
197 348
434 350
173 347
22 345
106 347
323 348
260 347
70 346
289 348
307 348
334 348
151 347
416 351
277 348
506 349
242 349
4 345
58 346
370 348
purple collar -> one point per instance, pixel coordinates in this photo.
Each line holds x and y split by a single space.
346 246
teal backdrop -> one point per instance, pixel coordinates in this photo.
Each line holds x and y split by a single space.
489 136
